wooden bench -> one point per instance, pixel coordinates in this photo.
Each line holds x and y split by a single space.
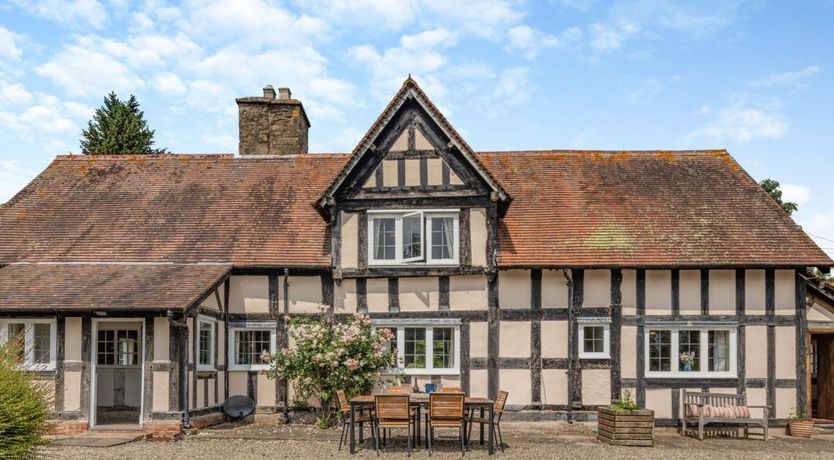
700 408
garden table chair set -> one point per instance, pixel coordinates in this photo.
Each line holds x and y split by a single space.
398 408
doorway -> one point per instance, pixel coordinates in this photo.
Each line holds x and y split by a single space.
118 374
822 375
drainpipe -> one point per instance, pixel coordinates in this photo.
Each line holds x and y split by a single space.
570 371
286 413
186 416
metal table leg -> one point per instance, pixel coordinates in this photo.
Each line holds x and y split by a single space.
481 440
352 429
491 429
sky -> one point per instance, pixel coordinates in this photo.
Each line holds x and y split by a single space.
754 77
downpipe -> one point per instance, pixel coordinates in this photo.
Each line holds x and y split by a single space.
570 372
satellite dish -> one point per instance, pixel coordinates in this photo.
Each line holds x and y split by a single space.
239 406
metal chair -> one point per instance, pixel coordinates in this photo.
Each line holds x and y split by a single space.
360 417
498 410
392 411
446 411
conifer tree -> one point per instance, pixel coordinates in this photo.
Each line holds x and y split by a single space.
118 127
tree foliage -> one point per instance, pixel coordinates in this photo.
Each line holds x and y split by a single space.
329 356
117 128
772 187
24 406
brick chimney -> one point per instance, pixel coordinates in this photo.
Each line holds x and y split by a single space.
270 125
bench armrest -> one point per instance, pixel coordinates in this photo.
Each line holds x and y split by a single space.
759 407
693 404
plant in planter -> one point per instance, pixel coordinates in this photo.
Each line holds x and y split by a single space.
688 360
328 356
800 424
624 423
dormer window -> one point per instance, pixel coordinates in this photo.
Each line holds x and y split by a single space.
428 237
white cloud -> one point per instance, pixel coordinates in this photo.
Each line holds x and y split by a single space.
82 71
429 39
13 177
797 79
798 194
644 90
13 94
513 86
739 124
609 37
9 46
528 41
75 13
168 83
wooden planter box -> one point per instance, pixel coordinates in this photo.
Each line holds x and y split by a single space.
625 428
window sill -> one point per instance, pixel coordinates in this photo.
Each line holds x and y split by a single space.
206 368
424 372
691 375
451 263
253 367
594 356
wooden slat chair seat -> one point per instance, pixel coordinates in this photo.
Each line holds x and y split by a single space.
498 410
701 409
392 411
361 417
446 411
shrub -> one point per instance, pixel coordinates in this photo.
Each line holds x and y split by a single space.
328 356
625 403
24 406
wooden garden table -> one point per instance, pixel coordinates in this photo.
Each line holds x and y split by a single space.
421 401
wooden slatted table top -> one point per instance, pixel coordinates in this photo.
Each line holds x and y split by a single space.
419 398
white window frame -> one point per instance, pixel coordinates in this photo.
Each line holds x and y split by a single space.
425 239
605 323
233 365
429 326
28 327
212 343
704 343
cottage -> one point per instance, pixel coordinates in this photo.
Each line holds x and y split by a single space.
149 285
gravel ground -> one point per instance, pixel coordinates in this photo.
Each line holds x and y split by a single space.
524 442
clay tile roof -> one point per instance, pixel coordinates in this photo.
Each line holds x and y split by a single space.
172 208
55 286
690 208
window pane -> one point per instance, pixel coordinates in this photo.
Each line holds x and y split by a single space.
689 346
206 332
126 345
250 344
444 348
412 237
719 351
106 348
17 332
415 347
384 239
593 339
660 351
442 237
41 347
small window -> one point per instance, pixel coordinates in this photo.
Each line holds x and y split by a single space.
247 346
205 352
690 352
426 349
37 339
594 338
400 237
117 347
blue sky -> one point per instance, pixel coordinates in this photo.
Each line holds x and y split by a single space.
755 77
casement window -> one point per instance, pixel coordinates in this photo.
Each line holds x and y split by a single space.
425 347
427 237
690 351
117 348
594 338
247 345
38 339
206 342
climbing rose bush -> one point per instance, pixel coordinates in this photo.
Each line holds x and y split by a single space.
327 356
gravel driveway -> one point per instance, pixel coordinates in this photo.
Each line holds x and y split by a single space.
525 441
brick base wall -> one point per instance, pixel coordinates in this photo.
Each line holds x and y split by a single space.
168 430
69 428
204 421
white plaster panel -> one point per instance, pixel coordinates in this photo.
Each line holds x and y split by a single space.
249 294
628 288
468 292
412 172
554 386
349 240
785 352
755 340
689 282
596 289
554 339
478 383
304 294
658 292
785 290
820 313
660 401
754 292
722 292
238 383
517 383
785 402
377 290
389 173
514 339
72 339
344 297
596 387
72 390
419 294
161 332
628 352
478 339
554 289
514 289
435 171
478 236
266 391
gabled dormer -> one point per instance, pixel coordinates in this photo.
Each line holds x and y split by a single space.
413 197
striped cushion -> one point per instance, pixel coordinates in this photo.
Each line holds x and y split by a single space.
720 411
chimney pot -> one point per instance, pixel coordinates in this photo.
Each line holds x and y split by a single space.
284 93
269 92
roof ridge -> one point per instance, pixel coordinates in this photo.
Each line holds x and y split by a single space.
613 152
136 156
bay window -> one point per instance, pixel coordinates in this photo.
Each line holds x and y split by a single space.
407 237
690 351
425 347
37 339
